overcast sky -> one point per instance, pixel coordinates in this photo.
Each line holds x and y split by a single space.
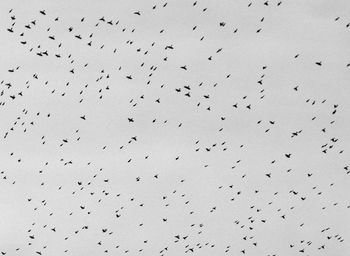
175 127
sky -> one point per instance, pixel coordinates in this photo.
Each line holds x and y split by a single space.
174 127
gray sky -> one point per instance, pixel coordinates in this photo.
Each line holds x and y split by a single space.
162 132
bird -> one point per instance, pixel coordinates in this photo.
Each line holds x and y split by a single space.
183 67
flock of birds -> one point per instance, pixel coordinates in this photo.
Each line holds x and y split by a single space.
176 129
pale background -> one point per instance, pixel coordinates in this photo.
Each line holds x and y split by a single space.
307 28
